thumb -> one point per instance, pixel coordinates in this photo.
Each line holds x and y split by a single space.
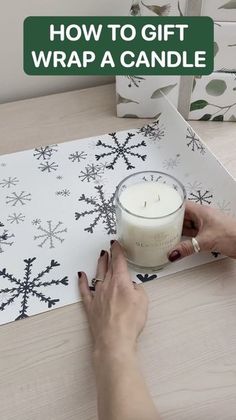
182 250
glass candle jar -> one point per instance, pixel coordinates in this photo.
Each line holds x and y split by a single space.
150 209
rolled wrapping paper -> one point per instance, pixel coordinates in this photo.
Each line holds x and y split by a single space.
150 221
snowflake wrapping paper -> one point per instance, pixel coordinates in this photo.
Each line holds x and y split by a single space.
57 206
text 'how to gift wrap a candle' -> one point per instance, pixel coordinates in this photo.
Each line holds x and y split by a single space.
149 221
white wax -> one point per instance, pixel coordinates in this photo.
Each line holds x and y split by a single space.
148 239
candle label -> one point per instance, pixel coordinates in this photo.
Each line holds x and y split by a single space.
161 241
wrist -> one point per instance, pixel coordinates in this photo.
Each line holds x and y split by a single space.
105 352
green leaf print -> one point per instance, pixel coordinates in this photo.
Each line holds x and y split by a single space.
216 48
218 118
165 89
135 8
158 10
200 104
122 100
216 87
205 117
230 5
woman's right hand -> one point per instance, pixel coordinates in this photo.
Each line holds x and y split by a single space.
214 231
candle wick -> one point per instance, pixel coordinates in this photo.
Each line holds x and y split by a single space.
158 199
145 204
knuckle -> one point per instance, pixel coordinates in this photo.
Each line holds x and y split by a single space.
186 248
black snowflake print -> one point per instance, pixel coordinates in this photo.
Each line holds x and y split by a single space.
121 150
59 177
146 277
18 198
22 290
36 222
201 197
16 218
194 143
134 81
48 167
77 156
103 211
9 182
92 173
1 224
5 239
3 164
215 254
171 163
63 193
154 132
50 234
46 152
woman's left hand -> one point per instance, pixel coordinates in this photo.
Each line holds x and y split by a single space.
117 310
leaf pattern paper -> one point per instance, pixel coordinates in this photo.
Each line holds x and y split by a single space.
163 90
230 5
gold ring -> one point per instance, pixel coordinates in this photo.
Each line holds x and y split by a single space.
96 280
196 245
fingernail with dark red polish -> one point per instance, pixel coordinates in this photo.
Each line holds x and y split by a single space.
102 253
79 274
174 256
112 242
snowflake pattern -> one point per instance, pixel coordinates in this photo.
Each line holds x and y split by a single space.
63 193
45 152
202 197
152 178
103 210
9 182
216 254
193 186
121 151
144 278
59 177
92 173
50 234
171 163
29 287
36 222
48 167
18 198
3 164
16 218
5 240
154 132
193 142
224 206
77 156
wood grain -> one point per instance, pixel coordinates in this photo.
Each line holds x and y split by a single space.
188 349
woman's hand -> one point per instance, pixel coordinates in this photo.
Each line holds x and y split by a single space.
117 311
213 230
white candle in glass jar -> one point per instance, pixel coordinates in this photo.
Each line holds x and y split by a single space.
149 222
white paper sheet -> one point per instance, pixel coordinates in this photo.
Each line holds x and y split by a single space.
57 213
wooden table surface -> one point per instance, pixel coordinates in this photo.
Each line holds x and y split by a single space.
188 349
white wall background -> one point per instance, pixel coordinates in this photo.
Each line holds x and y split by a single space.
14 84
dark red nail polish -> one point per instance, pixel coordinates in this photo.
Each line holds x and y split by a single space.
102 253
79 274
174 256
112 242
